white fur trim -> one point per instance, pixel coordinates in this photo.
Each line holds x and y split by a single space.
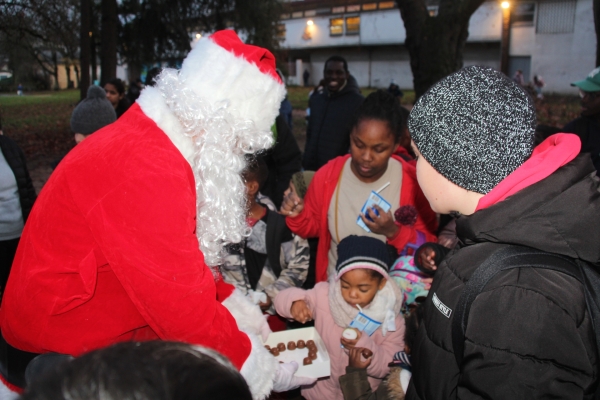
247 315
259 369
218 75
405 379
154 106
7 394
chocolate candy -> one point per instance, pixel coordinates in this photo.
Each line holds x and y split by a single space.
267 347
281 346
310 343
312 354
307 361
366 353
301 344
291 345
275 352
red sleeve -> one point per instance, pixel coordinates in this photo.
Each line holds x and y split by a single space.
308 223
146 228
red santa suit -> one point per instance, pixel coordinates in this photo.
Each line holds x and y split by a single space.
110 251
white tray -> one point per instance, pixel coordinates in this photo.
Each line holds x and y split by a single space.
319 367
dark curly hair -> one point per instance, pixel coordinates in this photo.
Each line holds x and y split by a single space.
118 84
382 106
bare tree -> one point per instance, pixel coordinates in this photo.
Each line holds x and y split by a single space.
46 29
597 25
436 42
108 47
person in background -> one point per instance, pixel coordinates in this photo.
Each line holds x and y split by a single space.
283 160
529 334
518 78
17 196
332 207
538 85
305 77
587 127
360 284
115 93
153 370
134 90
91 114
20 90
271 259
330 116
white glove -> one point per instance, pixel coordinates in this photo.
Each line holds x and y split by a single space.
286 380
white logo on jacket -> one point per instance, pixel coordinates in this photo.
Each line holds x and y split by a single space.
444 309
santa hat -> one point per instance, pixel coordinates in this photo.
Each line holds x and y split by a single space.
223 68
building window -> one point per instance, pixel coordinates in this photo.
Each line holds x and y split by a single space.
323 11
523 13
556 17
310 13
281 31
338 10
352 25
354 8
384 5
369 6
432 11
285 16
336 26
297 14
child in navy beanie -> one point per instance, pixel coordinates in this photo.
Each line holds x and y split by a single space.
359 291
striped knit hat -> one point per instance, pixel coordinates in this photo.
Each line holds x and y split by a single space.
365 252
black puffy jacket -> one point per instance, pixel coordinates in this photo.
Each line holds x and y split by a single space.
16 161
529 335
328 131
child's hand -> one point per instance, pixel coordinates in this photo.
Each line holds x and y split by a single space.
300 311
383 224
355 357
350 344
427 258
292 205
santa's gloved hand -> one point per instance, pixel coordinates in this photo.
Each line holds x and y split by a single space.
286 380
265 329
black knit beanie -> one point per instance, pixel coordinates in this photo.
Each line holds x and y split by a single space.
475 127
362 252
93 112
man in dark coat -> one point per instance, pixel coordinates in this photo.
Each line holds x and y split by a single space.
587 127
528 333
331 112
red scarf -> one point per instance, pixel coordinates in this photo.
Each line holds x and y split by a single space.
554 152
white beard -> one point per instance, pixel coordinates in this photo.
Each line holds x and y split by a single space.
220 143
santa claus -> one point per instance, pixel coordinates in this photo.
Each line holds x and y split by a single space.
124 239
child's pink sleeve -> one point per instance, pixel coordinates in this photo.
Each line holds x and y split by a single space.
383 353
284 300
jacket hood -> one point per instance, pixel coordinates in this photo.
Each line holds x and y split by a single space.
560 214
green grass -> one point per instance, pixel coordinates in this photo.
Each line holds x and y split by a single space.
39 122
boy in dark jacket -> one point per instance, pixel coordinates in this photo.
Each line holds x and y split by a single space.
528 334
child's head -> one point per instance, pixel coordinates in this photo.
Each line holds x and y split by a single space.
376 132
362 268
471 130
254 175
299 183
92 113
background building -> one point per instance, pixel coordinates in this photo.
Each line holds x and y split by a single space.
554 39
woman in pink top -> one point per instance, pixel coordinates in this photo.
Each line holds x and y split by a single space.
362 283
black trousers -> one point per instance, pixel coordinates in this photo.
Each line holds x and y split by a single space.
8 248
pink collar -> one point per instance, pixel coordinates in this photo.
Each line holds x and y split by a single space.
554 152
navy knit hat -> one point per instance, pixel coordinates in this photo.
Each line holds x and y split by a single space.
475 127
362 252
93 112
